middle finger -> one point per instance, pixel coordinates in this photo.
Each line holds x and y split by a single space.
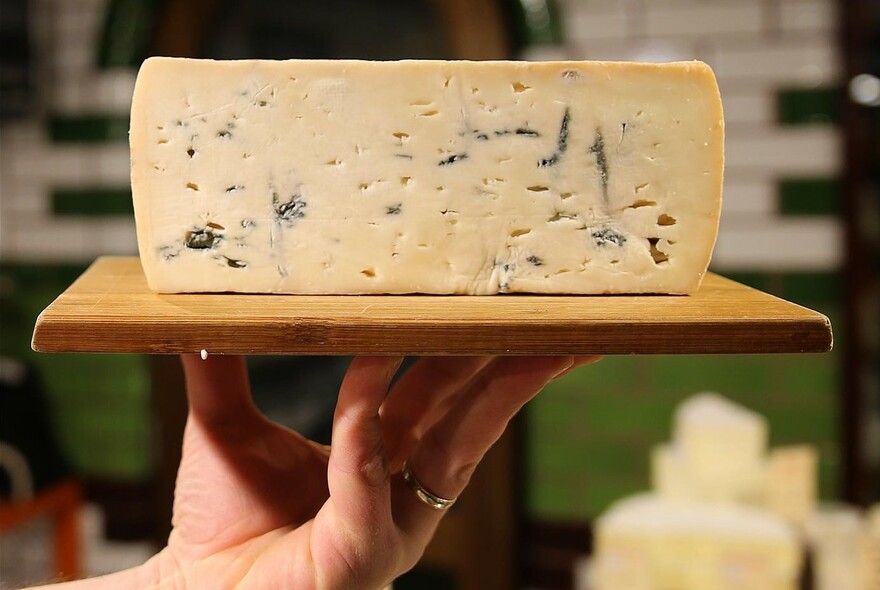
420 398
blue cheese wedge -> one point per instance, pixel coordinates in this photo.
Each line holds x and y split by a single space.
346 177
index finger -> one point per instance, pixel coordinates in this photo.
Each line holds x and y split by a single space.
218 388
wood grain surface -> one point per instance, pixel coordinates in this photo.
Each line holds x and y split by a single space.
111 309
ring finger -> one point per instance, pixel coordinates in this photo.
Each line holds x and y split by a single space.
445 457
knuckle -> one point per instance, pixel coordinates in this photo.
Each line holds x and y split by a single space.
435 445
462 475
373 469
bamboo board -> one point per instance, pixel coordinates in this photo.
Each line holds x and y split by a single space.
111 309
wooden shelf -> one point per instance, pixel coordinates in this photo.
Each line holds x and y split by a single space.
111 309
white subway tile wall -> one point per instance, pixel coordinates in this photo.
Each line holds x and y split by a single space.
794 151
811 61
779 245
110 91
608 23
751 108
45 239
755 46
746 198
703 19
43 165
807 16
117 236
66 35
113 163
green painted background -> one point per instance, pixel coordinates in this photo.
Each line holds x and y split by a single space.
590 434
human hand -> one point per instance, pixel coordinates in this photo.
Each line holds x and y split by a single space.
259 506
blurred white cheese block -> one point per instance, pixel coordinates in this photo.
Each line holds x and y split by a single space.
843 556
425 176
668 476
722 446
649 543
791 482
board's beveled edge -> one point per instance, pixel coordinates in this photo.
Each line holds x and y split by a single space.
36 337
812 337
811 333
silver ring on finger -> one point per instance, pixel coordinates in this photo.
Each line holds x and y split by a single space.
433 500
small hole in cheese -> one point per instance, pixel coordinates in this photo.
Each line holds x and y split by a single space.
642 203
520 232
520 87
192 186
369 272
665 219
560 216
657 255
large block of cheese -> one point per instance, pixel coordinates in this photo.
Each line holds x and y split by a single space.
425 176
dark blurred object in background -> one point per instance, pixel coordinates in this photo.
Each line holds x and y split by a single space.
860 412
26 427
279 29
15 59
332 29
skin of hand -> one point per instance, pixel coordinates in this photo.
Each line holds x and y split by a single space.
258 506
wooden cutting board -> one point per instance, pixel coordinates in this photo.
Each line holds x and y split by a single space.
111 309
